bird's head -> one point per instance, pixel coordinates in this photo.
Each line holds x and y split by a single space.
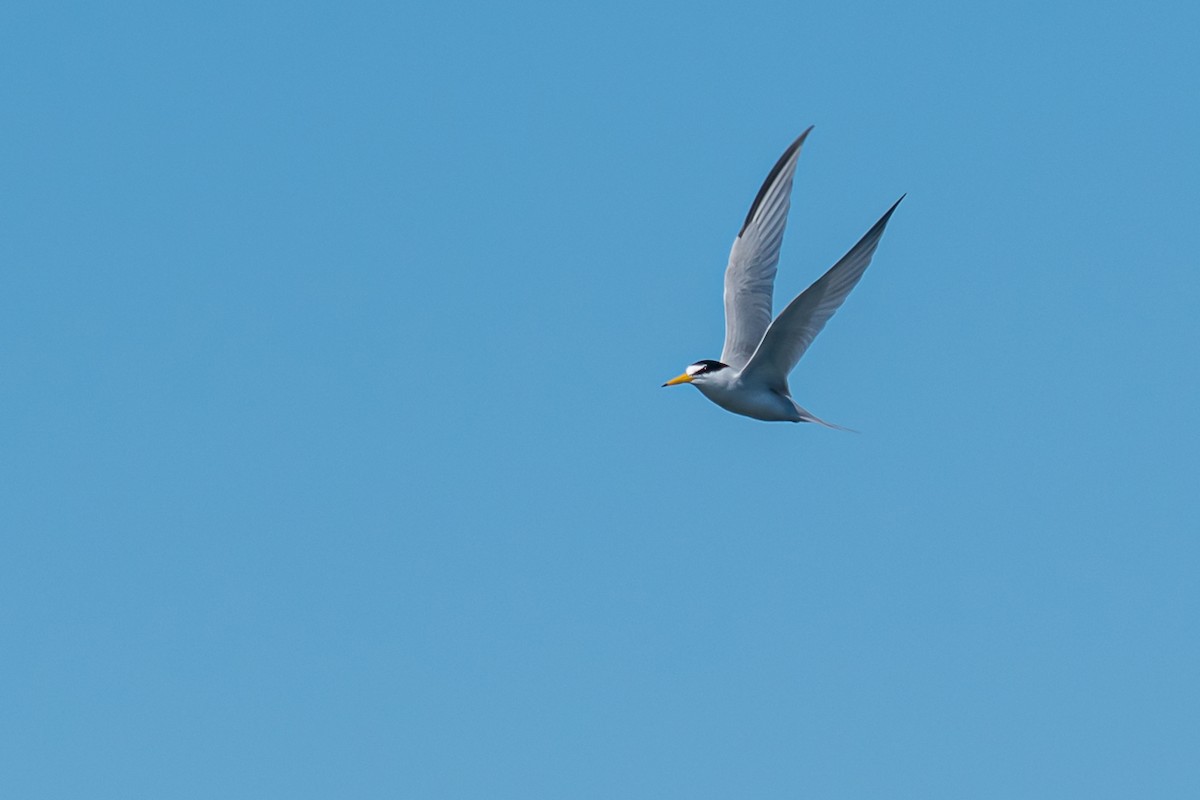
699 373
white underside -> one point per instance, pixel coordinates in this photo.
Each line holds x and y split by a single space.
756 401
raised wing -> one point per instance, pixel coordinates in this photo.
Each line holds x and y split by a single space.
797 325
750 276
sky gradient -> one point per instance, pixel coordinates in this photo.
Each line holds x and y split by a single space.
336 462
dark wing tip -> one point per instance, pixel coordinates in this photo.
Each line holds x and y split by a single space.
774 173
878 226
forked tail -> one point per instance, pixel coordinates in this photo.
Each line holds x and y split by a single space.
806 416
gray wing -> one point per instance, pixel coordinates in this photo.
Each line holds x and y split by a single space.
797 325
750 276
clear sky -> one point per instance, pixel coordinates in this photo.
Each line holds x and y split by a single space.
335 458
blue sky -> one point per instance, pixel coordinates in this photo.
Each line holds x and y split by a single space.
336 462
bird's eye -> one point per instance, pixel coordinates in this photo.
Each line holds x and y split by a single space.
704 367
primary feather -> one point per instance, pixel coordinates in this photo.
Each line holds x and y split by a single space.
754 258
789 336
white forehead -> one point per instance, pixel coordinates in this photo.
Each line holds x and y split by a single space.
694 368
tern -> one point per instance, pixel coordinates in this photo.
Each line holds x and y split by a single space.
751 377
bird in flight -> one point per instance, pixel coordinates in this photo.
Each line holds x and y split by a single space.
751 376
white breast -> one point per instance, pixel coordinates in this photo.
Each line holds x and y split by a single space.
755 401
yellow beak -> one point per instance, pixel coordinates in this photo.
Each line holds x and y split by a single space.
684 378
